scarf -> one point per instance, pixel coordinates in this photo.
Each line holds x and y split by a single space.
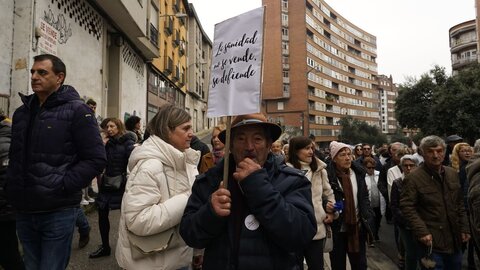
349 213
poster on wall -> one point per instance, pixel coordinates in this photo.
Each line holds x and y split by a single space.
236 70
48 40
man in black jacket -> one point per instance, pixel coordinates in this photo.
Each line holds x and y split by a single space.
263 219
56 150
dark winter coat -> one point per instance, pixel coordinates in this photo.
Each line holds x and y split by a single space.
279 197
118 151
6 210
56 151
365 210
398 218
473 176
432 203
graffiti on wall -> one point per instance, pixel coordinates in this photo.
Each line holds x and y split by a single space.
77 11
59 23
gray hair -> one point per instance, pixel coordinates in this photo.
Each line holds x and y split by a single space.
476 146
412 158
432 141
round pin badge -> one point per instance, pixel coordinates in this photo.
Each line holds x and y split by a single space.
251 222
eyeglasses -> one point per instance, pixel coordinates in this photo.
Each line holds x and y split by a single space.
370 167
367 148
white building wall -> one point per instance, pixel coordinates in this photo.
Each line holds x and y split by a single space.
6 39
133 85
80 44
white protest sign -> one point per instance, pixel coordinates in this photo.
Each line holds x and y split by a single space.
49 38
237 65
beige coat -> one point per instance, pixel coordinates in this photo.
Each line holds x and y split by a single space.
321 190
147 207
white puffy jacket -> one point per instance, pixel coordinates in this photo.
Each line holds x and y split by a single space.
147 207
321 190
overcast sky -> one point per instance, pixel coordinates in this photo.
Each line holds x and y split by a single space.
412 35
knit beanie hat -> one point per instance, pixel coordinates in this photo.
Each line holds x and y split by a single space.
335 147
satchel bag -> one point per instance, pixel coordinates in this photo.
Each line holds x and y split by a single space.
113 183
328 242
142 246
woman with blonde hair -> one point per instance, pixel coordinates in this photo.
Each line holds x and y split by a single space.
209 160
162 172
118 146
461 155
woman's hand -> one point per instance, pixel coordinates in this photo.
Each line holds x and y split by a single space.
329 218
330 207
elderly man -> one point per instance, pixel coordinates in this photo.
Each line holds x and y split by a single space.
432 203
264 219
56 150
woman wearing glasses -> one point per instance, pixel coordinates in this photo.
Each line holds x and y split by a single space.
408 255
377 202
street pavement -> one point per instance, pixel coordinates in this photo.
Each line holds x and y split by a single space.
79 258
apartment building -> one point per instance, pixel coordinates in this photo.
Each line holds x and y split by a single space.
463 45
388 93
320 68
198 72
167 73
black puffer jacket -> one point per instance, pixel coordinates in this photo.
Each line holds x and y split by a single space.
6 210
280 199
55 152
118 152
364 208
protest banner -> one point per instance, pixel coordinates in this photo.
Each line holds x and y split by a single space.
236 71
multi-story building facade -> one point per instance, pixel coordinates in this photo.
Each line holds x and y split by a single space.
320 68
388 94
167 74
198 72
463 45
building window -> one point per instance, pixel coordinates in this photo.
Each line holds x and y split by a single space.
280 106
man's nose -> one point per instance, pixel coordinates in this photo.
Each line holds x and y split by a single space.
249 144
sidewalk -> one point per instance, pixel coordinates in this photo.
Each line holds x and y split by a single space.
376 260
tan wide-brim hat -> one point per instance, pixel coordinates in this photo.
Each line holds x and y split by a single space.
257 119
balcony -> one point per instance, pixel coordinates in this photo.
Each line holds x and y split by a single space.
176 74
131 20
176 40
168 65
176 5
168 26
153 35
463 43
459 63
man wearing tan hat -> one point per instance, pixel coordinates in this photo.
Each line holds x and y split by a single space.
264 218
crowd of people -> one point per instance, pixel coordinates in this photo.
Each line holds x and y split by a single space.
267 204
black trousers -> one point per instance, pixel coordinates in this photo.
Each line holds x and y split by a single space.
314 255
9 255
338 256
104 226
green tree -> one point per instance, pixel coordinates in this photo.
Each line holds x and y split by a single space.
442 105
357 131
